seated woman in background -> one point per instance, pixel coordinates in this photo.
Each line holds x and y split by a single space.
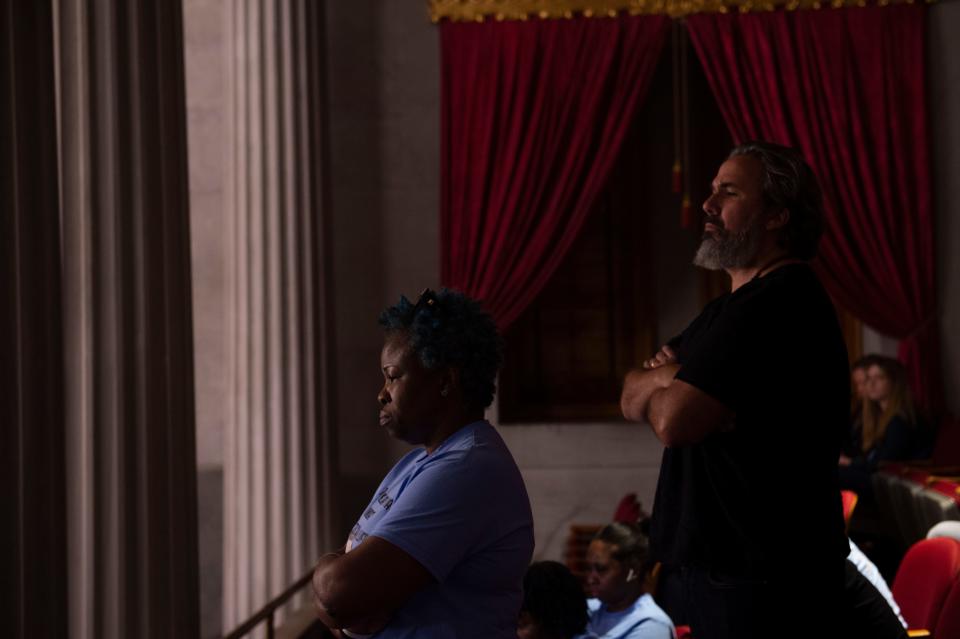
443 546
617 562
889 425
858 384
553 603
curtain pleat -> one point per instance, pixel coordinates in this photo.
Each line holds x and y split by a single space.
279 444
127 324
33 487
533 118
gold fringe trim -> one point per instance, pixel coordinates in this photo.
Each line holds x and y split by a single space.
480 10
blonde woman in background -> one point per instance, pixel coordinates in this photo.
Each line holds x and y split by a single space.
889 425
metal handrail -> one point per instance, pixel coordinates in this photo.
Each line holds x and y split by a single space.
267 612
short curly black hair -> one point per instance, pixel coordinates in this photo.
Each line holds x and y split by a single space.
447 328
555 599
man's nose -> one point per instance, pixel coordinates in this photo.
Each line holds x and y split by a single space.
708 206
383 397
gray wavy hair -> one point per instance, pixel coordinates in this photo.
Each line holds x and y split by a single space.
789 183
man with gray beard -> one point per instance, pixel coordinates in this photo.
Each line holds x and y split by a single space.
751 403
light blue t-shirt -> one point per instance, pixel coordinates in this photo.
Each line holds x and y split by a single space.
464 514
643 620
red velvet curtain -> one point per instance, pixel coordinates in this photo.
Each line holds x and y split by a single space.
847 87
534 114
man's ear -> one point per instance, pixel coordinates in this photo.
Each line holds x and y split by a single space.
778 220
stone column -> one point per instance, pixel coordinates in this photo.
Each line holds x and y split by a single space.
32 483
131 463
279 444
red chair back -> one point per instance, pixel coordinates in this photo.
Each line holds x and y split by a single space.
948 625
927 574
849 499
946 487
628 510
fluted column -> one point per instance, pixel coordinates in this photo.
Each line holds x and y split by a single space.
32 487
278 443
131 463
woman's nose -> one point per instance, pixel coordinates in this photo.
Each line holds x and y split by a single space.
383 397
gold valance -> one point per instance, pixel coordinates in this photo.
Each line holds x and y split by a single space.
480 10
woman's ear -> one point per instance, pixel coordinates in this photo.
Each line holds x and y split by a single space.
450 381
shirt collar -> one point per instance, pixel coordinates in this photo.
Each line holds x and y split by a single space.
452 441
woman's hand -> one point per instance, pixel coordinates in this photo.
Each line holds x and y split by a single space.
367 627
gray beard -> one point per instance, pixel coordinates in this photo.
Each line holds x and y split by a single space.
729 251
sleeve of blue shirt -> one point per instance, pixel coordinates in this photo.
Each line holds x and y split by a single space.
440 515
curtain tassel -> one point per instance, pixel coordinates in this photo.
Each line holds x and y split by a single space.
687 218
677 109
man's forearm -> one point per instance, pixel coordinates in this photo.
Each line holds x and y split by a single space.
655 414
681 414
639 387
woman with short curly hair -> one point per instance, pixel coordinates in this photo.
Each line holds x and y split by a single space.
442 548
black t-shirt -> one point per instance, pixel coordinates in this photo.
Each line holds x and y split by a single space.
760 498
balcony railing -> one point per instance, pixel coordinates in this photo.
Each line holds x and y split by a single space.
267 614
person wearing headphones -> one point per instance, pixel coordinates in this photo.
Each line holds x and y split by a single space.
619 607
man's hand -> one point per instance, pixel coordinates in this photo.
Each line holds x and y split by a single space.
679 413
639 386
664 356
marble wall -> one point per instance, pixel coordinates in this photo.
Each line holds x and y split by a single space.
384 122
205 67
577 473
205 60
